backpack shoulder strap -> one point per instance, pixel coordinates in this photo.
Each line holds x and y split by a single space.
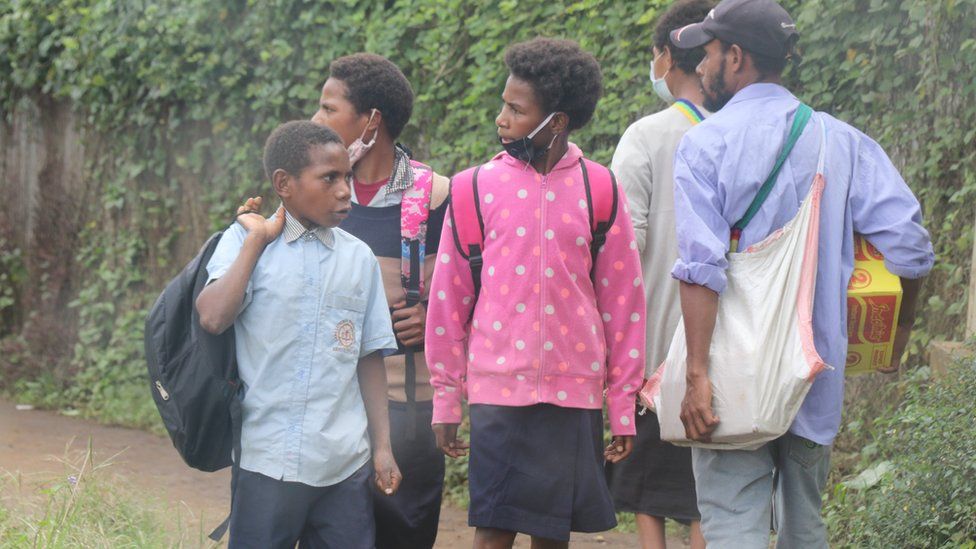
414 212
602 196
466 222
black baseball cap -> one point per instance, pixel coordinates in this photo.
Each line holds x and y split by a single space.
760 26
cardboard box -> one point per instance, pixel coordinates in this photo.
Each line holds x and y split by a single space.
873 304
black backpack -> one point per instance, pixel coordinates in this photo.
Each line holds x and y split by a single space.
193 374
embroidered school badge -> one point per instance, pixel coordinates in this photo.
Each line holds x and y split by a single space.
345 334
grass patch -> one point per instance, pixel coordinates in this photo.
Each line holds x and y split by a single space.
124 403
85 508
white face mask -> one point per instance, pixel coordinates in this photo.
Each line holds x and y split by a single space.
660 85
358 148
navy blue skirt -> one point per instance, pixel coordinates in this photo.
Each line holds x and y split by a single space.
538 470
656 479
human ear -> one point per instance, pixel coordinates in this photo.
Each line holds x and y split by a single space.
737 58
376 118
559 123
666 55
282 183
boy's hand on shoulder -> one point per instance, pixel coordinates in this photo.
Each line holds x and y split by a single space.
388 475
619 448
265 230
409 323
448 441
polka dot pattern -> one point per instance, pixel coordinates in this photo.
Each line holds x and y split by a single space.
532 331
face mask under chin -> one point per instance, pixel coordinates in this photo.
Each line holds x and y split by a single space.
358 148
523 149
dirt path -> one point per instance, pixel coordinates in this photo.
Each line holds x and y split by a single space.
32 443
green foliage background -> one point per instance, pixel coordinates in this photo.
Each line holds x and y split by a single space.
175 98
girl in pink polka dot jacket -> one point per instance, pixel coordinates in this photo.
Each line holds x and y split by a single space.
543 342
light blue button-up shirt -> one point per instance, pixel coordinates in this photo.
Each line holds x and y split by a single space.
719 167
313 306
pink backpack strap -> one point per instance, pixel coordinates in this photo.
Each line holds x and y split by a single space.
414 212
601 195
466 222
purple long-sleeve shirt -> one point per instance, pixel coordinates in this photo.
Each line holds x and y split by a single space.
719 167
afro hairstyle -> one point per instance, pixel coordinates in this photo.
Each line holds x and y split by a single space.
681 13
287 146
563 76
374 82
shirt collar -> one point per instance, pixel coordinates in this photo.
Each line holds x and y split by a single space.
295 230
759 90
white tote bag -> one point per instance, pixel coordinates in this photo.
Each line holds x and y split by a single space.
762 360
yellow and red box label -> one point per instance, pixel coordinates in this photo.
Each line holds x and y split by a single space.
873 303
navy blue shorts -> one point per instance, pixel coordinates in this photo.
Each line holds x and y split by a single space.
270 513
538 470
408 519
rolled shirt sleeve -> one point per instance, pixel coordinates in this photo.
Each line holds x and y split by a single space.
702 231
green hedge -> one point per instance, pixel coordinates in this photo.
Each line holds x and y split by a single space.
177 96
914 485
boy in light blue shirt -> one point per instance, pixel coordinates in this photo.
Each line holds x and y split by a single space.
311 323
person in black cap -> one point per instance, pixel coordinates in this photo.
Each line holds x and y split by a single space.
757 36
719 168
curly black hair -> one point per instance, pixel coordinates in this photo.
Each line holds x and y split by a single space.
374 82
681 13
564 77
287 146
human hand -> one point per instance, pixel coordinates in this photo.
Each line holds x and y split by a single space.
902 333
409 323
447 440
388 475
265 230
696 409
619 448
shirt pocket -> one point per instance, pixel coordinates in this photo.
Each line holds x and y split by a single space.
343 317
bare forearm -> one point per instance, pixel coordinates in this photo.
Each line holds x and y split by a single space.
910 288
220 302
699 308
372 385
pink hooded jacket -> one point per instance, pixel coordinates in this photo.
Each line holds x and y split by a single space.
542 331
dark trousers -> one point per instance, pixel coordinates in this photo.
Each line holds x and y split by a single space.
409 518
270 513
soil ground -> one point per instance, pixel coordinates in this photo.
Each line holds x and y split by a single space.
33 444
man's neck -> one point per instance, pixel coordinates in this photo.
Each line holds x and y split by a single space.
756 78
377 164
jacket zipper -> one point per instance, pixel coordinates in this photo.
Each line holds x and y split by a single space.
542 285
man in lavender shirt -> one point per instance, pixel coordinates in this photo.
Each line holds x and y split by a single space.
719 167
